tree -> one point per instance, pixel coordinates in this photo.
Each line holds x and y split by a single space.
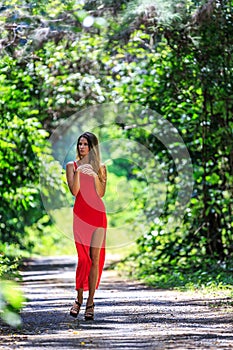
187 77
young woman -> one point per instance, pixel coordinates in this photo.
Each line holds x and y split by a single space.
86 178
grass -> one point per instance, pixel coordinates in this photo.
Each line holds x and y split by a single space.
212 278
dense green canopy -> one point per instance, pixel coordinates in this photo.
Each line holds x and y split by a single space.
172 57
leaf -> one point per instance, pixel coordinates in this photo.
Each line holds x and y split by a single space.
11 318
12 294
213 179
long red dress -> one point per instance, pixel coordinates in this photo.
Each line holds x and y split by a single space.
88 215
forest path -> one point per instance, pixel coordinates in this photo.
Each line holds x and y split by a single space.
128 315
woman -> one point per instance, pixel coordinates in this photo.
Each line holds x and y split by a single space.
86 179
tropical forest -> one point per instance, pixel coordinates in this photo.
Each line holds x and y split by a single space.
153 80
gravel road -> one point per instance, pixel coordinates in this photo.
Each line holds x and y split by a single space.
128 315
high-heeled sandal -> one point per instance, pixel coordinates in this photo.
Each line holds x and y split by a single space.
89 313
74 311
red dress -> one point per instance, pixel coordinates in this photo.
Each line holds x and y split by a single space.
88 215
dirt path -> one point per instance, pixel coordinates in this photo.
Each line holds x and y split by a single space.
128 315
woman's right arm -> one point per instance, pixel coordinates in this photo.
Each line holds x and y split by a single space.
73 178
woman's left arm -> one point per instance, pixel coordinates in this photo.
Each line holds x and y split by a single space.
100 184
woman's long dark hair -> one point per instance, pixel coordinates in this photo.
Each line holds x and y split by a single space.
94 152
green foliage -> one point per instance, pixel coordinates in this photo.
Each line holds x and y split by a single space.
21 149
11 300
48 238
174 57
26 27
187 77
11 296
9 263
68 79
207 275
182 80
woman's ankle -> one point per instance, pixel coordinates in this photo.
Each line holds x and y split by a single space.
80 298
90 301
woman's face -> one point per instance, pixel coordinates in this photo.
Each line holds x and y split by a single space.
83 147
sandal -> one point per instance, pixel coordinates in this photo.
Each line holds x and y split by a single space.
89 313
74 311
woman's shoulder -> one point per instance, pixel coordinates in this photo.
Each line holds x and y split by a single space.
71 164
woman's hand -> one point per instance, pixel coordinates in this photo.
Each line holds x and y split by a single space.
86 169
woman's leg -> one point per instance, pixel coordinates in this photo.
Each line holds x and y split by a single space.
80 295
74 311
83 262
96 244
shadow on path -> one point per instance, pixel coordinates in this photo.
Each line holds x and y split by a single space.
128 315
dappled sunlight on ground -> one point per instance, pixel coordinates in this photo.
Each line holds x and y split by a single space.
128 314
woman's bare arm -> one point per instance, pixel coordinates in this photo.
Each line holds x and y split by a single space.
101 185
73 178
